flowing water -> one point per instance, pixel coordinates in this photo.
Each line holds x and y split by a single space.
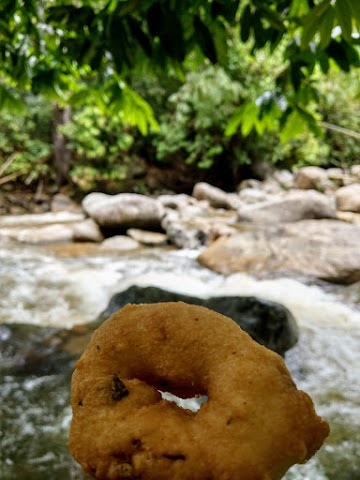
54 290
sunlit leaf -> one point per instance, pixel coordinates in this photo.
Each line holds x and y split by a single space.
295 125
250 117
342 10
326 27
234 122
311 22
11 102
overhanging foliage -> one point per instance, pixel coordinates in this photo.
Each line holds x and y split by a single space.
70 50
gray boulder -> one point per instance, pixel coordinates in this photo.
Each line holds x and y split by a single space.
348 198
124 210
311 178
216 197
290 207
325 249
269 323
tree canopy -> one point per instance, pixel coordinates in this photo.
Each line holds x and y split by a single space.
81 49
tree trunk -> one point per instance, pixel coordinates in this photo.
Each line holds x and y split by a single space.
62 155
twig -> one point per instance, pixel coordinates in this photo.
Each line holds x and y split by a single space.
7 163
10 177
336 128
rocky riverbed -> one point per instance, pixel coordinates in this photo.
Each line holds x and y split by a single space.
60 270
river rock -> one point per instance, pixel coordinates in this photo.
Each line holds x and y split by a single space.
290 207
285 178
269 323
146 237
181 232
194 226
216 197
124 210
311 178
56 233
348 198
253 195
325 249
40 219
27 349
176 201
87 231
355 171
119 243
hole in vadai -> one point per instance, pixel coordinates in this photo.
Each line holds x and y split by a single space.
193 403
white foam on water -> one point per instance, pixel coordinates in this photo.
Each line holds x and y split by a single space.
308 303
49 292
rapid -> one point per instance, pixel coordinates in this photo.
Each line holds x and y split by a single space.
54 288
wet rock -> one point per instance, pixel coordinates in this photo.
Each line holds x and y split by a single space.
285 178
120 243
216 197
325 249
269 323
124 210
87 231
348 198
290 207
55 233
311 178
176 201
253 195
33 350
355 171
146 237
182 232
39 219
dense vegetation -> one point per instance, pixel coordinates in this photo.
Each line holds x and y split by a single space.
209 85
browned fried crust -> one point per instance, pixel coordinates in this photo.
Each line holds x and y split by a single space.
254 426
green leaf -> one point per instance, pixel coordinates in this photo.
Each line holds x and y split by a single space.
79 98
355 10
11 102
250 117
342 10
220 37
343 14
326 27
234 122
299 8
311 22
295 125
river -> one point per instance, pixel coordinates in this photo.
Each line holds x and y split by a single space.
50 288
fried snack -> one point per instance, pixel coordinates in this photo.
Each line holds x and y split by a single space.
254 426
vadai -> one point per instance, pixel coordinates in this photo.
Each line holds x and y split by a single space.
254 425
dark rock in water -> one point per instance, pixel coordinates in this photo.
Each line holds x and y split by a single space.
269 323
29 349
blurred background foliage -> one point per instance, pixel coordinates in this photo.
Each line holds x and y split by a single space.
205 84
